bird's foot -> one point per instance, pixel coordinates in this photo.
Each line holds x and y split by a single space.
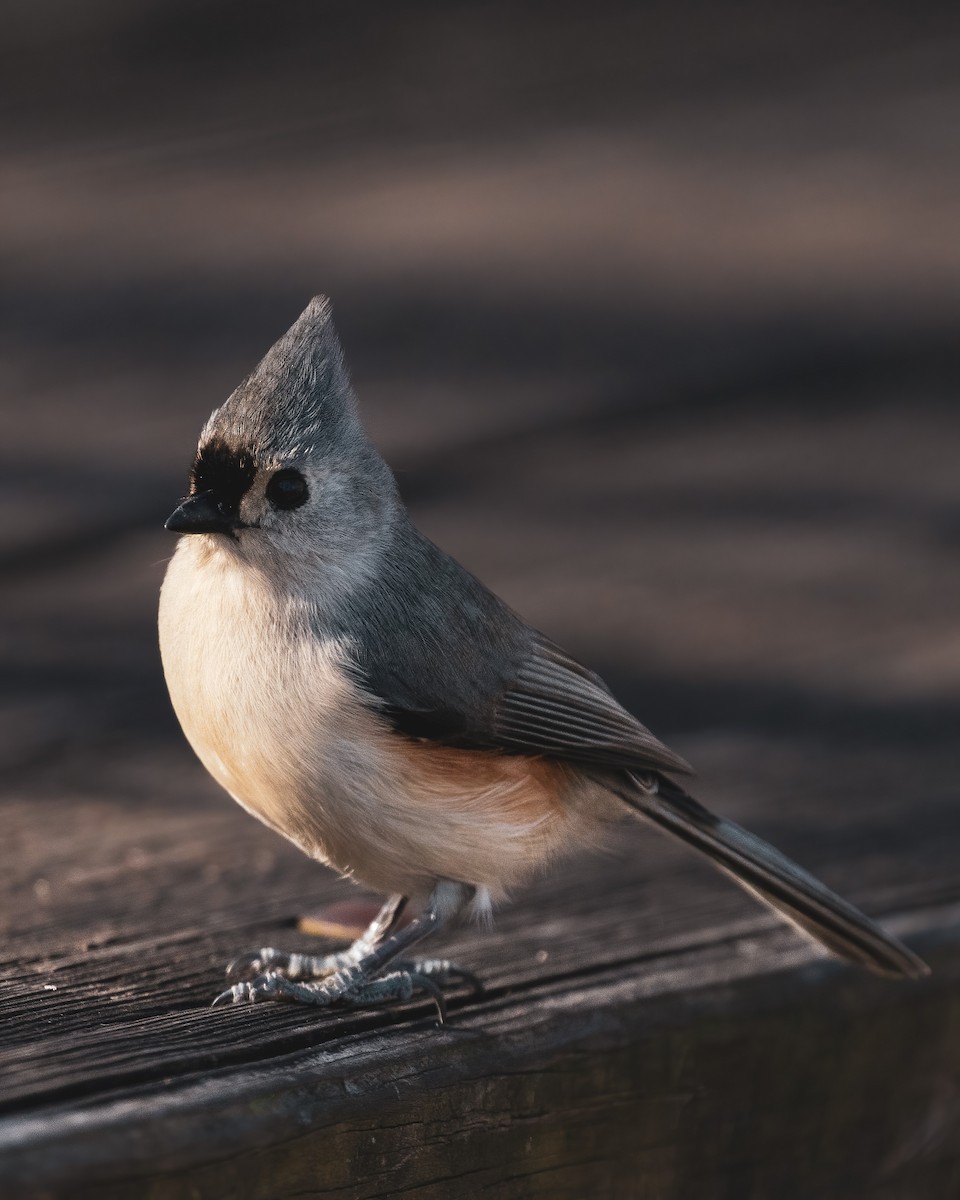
352 986
291 966
322 980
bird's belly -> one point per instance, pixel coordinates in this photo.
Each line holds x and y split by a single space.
391 813
276 717
416 813
398 815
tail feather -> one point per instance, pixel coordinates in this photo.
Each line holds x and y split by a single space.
773 878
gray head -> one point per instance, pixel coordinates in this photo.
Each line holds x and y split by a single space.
284 475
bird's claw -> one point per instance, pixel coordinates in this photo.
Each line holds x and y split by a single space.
346 986
269 974
252 964
266 986
442 971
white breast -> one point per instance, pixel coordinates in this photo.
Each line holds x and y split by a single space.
252 685
272 711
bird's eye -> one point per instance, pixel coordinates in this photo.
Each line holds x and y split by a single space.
287 489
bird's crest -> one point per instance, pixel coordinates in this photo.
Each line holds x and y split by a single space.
297 400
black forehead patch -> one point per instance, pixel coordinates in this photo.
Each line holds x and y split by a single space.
224 470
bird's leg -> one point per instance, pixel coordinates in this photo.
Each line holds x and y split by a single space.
318 966
359 978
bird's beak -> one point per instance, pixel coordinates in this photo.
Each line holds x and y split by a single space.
202 513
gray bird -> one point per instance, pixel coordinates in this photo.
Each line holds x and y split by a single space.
361 693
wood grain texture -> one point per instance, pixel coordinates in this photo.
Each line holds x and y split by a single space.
695 1073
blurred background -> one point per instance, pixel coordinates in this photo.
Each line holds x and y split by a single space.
652 307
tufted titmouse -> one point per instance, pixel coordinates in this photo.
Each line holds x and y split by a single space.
361 693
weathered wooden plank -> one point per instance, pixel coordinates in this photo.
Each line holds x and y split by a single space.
701 1072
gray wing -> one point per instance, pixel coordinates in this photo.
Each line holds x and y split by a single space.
556 706
446 660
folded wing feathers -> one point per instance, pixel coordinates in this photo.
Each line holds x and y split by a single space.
557 706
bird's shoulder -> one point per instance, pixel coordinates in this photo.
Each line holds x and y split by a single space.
445 659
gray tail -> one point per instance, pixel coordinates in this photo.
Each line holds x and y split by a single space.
773 878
